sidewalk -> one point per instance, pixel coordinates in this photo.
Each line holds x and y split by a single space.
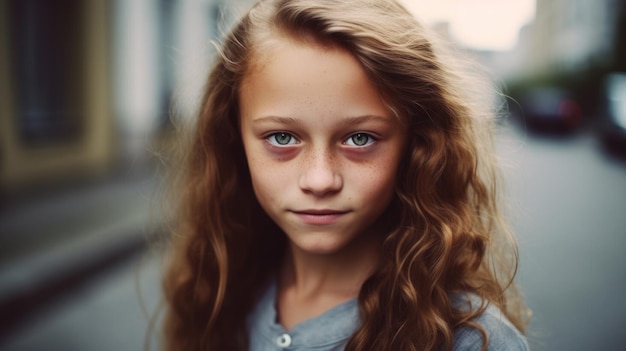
50 244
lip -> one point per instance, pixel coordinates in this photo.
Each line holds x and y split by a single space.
319 216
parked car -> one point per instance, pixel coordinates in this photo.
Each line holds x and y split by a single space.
550 109
613 119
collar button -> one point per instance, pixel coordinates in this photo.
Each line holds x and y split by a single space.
283 340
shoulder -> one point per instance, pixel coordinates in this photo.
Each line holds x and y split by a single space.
502 335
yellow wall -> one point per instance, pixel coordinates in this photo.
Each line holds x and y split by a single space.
21 166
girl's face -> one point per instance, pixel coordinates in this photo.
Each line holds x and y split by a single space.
322 148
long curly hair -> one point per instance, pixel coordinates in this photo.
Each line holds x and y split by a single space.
448 236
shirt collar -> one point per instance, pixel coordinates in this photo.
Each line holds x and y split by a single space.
331 327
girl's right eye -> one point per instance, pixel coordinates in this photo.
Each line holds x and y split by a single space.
281 139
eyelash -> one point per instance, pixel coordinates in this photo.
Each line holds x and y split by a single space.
276 143
370 139
271 138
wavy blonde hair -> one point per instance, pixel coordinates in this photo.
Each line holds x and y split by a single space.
448 237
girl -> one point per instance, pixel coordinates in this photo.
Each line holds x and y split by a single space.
338 193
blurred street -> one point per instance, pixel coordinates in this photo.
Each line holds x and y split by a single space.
59 245
111 312
566 201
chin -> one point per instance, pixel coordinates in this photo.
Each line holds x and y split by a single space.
319 244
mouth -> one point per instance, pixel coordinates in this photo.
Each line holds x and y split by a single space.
319 216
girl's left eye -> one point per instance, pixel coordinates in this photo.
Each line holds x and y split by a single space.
359 139
282 139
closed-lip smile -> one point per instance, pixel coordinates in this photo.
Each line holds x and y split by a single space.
319 216
320 212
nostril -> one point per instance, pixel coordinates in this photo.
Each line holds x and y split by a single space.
320 180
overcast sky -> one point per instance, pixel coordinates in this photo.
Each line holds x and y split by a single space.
481 24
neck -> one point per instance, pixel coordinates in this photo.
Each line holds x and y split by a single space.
339 274
310 284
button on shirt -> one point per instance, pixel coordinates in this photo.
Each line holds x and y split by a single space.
329 331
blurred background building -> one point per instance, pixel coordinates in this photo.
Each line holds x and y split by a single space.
56 114
89 91
573 35
88 82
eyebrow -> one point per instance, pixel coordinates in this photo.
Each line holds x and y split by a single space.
345 121
275 119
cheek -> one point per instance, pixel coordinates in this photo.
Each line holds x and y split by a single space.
375 181
268 179
378 178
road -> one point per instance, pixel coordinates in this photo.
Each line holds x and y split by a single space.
567 205
112 312
568 201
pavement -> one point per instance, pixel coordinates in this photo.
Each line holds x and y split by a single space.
51 242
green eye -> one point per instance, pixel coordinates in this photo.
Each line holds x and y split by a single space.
359 139
282 138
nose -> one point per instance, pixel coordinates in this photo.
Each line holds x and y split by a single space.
320 175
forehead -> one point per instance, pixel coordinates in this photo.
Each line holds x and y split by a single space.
278 45
294 77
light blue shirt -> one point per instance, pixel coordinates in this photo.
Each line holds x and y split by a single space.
331 330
